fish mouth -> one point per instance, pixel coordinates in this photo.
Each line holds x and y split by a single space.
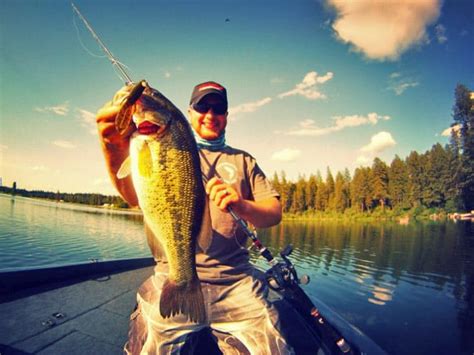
147 128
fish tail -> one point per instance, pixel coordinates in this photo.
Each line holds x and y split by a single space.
186 299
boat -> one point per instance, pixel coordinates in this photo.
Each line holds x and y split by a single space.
84 308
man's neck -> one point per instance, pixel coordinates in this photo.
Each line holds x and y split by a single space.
213 145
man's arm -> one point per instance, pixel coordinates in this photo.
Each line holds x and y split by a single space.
115 146
261 214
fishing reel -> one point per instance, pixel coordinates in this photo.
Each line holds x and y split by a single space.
283 274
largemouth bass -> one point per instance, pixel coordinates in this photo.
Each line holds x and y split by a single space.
166 173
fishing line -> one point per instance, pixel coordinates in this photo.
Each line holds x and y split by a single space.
117 71
115 63
80 41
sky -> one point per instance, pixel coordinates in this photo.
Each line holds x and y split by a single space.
311 84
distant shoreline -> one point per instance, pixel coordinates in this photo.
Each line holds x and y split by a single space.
76 205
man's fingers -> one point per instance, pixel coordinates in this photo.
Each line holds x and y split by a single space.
218 191
211 183
107 112
121 94
221 195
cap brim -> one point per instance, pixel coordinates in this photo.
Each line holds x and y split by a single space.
209 92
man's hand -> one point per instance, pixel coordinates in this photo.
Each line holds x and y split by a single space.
265 213
116 146
222 194
105 119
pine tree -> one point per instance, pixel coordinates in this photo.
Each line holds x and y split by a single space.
347 188
339 198
310 193
438 177
329 192
398 183
379 182
361 189
453 191
299 198
285 192
290 193
320 201
416 178
463 115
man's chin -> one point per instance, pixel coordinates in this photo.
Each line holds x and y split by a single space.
210 136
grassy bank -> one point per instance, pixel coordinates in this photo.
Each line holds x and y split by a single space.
419 213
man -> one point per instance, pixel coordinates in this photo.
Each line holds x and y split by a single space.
233 291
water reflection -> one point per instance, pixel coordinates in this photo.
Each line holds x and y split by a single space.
40 233
423 254
390 278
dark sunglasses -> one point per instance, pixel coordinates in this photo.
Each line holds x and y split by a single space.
203 107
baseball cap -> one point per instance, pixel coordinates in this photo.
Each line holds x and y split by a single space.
206 88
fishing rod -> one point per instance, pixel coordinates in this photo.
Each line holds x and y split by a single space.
109 54
121 124
281 276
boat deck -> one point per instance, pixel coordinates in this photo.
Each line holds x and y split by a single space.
88 316
85 309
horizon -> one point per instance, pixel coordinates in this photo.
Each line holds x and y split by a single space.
309 87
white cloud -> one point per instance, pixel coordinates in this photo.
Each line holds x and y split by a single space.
308 87
383 29
379 142
60 110
250 106
440 32
287 154
399 88
398 83
64 144
308 127
455 128
88 120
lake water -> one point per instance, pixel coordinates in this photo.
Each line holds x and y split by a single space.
410 287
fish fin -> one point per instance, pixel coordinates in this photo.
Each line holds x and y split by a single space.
186 299
145 162
125 168
205 234
153 242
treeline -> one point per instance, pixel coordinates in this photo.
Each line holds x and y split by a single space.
82 198
442 177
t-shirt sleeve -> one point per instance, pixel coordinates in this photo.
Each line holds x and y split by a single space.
260 186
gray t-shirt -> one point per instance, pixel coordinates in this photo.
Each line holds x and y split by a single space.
226 258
